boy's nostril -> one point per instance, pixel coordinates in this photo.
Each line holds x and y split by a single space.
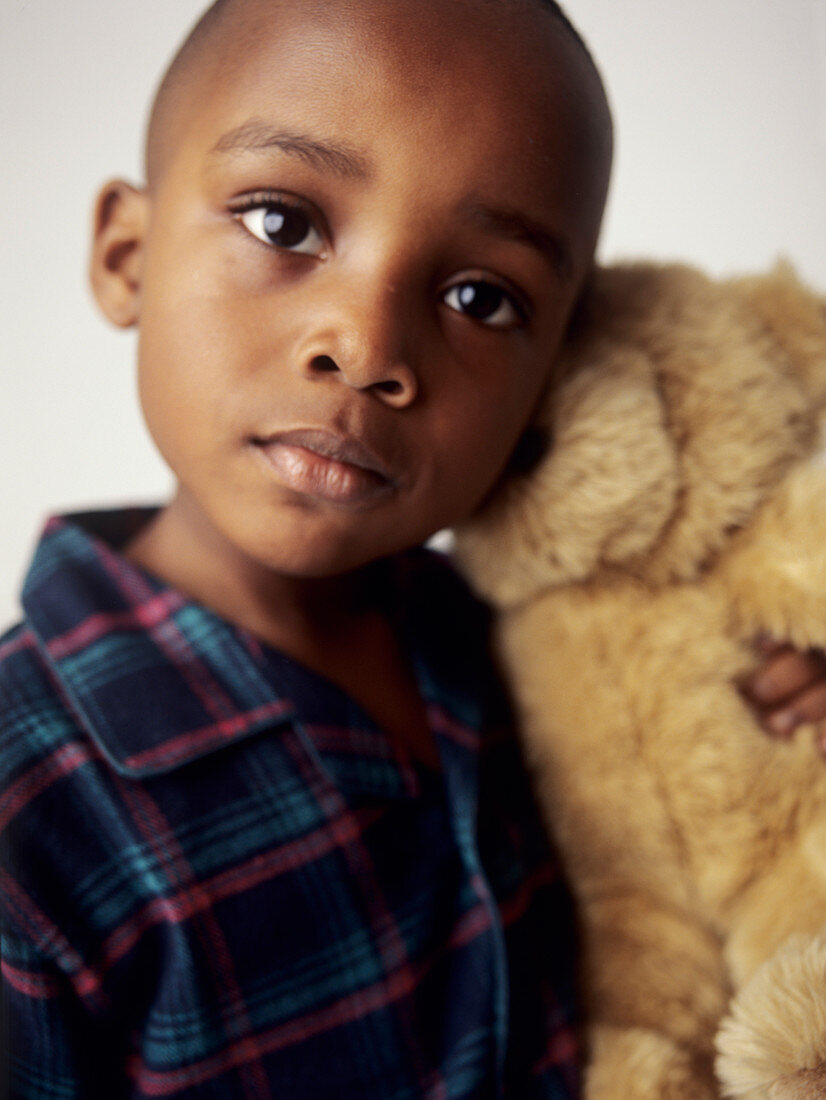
390 386
323 363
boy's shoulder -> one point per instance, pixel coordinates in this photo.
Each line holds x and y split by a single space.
34 720
61 613
115 661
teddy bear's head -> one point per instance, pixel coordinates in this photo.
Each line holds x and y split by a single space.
677 404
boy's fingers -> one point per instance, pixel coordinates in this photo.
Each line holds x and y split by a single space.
807 706
766 646
786 672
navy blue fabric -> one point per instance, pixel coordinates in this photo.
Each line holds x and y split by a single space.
221 879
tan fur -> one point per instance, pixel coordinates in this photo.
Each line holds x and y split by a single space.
677 513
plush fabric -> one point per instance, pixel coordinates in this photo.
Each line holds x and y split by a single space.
678 511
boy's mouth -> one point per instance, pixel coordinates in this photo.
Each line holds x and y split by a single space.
318 463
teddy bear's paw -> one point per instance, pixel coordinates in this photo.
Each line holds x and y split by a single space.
637 1064
776 1027
806 1084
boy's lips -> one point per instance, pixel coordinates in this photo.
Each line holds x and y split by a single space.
318 463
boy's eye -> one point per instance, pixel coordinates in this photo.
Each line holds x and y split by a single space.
485 302
283 225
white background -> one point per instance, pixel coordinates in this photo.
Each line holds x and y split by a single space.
721 113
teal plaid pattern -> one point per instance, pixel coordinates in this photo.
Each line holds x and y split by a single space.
220 879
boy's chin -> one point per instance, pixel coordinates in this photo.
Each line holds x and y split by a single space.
320 558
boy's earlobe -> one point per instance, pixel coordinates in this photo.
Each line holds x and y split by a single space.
120 225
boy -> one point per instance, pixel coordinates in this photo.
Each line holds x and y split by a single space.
265 835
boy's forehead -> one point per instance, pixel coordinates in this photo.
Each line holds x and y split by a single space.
412 42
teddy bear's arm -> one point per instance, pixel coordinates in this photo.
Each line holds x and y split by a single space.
641 1064
655 988
655 976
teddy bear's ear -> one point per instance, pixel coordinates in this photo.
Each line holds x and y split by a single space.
792 318
742 368
600 494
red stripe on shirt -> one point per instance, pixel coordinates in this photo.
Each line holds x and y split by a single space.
29 984
141 617
281 860
347 1009
185 744
62 762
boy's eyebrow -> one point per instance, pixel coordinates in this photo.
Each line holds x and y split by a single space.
331 156
344 160
516 226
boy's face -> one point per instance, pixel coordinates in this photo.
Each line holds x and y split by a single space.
355 269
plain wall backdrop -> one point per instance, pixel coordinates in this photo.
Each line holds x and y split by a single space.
721 117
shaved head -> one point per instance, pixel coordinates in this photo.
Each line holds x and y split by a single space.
219 41
186 70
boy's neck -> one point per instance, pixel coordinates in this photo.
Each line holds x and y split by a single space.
338 626
286 611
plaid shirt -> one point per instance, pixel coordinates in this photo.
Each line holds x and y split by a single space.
220 879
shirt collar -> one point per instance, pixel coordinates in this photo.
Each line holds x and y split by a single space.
158 680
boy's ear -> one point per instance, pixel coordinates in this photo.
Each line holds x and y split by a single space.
120 226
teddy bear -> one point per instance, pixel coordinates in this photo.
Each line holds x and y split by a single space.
676 511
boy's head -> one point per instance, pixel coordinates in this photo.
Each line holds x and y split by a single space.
364 228
207 51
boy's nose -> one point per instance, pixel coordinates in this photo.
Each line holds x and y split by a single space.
395 384
363 344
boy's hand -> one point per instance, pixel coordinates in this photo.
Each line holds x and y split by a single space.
788 689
